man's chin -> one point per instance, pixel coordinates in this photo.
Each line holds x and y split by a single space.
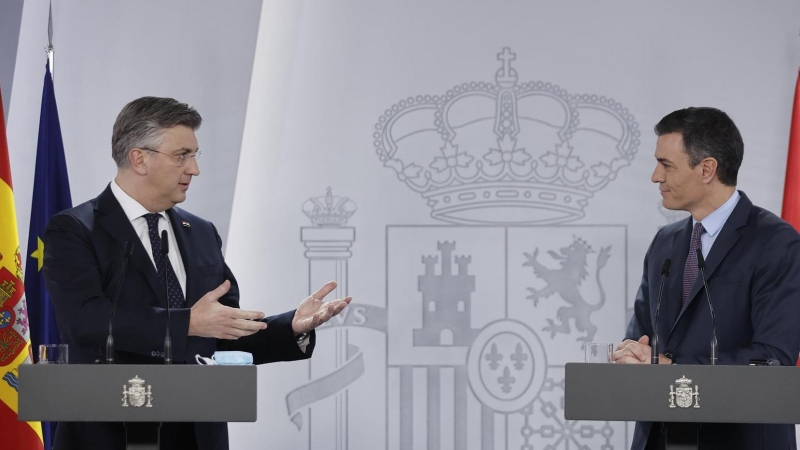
671 205
179 198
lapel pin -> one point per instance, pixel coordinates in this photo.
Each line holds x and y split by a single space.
185 224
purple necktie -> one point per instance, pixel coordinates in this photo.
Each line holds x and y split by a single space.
690 269
164 268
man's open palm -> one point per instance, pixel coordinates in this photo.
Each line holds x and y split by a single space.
313 312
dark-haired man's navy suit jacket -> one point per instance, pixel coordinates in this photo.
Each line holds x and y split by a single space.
753 273
82 267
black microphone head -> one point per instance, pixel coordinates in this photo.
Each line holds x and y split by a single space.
665 267
164 243
701 262
128 249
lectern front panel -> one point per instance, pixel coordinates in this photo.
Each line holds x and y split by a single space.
137 393
682 393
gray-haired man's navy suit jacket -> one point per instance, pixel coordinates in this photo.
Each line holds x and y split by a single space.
753 273
82 267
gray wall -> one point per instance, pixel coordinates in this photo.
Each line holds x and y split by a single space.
108 53
10 17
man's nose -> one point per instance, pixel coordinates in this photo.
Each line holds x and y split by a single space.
657 176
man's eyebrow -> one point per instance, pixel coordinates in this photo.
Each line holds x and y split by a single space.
663 160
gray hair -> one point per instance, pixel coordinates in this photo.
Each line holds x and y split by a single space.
141 124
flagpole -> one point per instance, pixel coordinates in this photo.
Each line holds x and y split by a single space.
50 49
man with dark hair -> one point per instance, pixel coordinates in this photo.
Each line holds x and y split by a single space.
752 266
156 151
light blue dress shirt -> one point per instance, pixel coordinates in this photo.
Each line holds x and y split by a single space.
714 222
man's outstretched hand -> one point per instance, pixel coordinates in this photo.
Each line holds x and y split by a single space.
210 318
313 312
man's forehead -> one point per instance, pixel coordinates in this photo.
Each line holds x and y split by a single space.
179 138
670 146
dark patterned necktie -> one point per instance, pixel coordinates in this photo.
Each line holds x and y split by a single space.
174 292
690 269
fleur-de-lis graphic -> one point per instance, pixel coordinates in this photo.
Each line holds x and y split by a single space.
494 357
519 357
506 381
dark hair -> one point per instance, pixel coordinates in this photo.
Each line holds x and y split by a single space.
707 133
141 123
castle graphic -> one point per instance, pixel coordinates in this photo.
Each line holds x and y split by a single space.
446 300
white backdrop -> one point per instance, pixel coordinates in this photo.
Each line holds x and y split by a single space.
325 81
334 87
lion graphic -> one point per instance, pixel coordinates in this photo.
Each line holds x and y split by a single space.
565 282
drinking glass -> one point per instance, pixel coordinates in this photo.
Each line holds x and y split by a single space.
599 352
53 354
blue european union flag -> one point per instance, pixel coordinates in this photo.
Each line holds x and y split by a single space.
50 196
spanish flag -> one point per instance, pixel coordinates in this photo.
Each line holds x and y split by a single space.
791 188
15 345
791 185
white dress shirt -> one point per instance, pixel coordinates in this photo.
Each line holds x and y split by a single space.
135 212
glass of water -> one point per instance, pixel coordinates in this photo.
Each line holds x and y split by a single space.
53 354
599 352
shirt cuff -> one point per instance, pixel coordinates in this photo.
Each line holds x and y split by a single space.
302 341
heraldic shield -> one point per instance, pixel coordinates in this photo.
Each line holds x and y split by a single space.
481 314
135 394
482 320
683 395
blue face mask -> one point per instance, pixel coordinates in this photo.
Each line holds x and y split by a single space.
226 359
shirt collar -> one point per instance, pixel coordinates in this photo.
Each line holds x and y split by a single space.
133 209
714 221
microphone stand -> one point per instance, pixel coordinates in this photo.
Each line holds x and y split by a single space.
654 343
126 255
701 264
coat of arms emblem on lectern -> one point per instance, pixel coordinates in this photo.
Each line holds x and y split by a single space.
683 394
134 393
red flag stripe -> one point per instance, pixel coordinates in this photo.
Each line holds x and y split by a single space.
790 210
791 188
5 164
17 434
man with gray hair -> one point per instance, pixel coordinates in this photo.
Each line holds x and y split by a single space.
156 152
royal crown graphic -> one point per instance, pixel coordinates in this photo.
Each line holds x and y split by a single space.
506 152
329 210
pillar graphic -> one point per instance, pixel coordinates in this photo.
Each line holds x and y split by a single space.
328 244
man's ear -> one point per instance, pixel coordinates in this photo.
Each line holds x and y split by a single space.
709 167
137 161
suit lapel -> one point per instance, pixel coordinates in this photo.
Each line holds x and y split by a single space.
728 236
113 219
183 237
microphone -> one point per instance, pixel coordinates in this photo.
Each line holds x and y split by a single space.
701 264
126 256
654 343
167 339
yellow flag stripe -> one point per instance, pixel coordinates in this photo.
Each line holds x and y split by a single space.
9 239
9 244
8 394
